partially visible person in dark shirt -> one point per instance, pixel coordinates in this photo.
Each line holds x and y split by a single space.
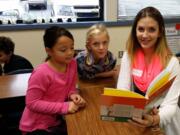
9 61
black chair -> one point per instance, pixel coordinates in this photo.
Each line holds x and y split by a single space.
20 71
10 114
9 124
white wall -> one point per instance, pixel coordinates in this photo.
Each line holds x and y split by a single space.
29 43
110 10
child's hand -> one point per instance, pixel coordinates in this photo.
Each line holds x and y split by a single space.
72 107
78 100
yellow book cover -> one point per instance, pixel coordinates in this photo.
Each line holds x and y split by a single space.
120 105
159 85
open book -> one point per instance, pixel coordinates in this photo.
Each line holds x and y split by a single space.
120 105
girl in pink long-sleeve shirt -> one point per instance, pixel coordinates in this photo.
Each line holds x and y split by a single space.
51 88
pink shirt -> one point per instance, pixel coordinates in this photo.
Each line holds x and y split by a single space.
46 96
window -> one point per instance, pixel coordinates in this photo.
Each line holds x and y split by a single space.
89 10
127 9
49 11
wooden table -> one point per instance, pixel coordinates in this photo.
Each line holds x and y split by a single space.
12 92
87 121
13 85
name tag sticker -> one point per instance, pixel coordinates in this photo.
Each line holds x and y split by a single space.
137 72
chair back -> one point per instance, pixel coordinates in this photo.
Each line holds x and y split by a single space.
20 71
